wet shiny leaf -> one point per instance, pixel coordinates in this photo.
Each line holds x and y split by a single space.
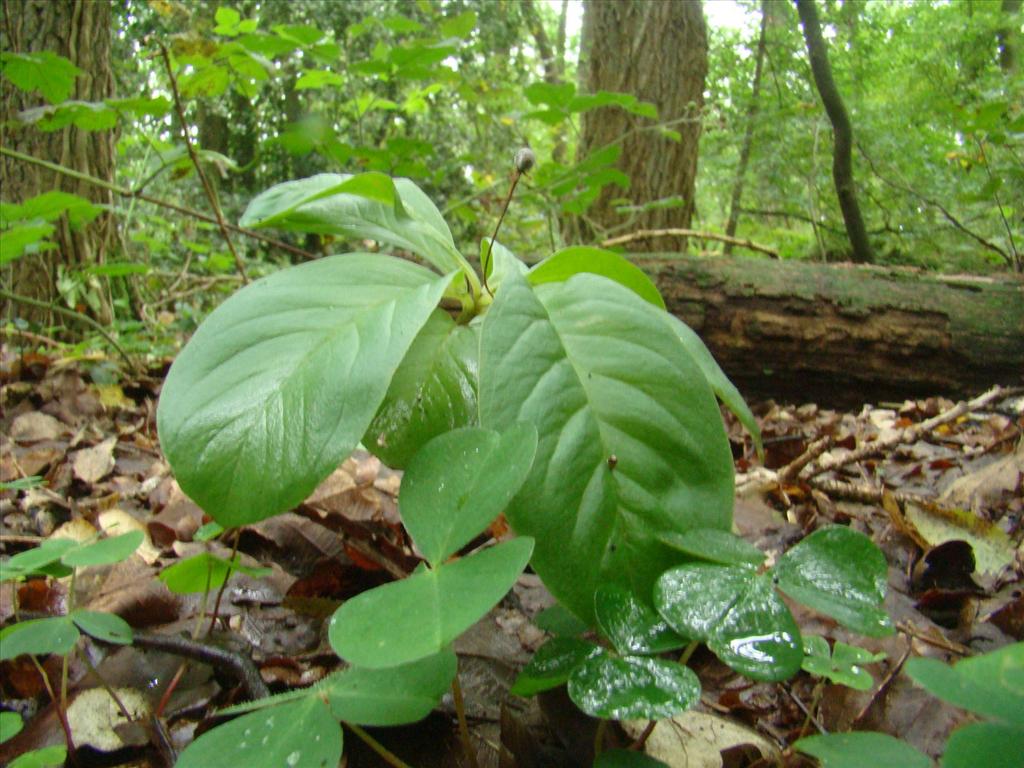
694 598
632 626
552 664
840 573
633 687
758 636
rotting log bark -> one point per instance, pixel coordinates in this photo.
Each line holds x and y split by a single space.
842 335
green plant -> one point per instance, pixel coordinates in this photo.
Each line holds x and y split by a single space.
991 686
58 558
564 395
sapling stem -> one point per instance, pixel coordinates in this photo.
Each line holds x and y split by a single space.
460 712
524 161
387 755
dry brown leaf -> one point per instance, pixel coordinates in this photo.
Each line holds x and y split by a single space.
91 465
697 739
34 426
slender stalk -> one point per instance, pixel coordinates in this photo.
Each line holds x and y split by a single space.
602 727
224 586
688 652
387 755
211 195
485 264
62 713
460 711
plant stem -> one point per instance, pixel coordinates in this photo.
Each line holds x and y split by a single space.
28 301
688 652
62 713
602 726
460 712
490 245
224 586
387 755
211 195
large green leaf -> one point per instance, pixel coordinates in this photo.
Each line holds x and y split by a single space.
327 205
459 482
633 687
571 261
723 388
695 597
433 391
299 734
631 441
420 615
840 573
282 380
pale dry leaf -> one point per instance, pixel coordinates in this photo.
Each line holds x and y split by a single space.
34 426
115 522
91 465
95 719
697 739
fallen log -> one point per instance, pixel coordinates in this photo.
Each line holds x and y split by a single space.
842 334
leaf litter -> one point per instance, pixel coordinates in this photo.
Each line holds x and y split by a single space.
936 484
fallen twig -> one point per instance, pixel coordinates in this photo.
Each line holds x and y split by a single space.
910 434
644 234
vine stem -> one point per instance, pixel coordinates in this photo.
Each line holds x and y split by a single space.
387 755
211 195
53 307
139 195
62 713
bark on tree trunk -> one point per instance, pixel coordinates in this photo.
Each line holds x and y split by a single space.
80 31
656 51
748 133
847 334
842 162
1008 37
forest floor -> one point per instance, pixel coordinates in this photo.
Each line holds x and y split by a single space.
938 487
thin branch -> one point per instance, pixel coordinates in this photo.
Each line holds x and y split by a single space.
132 195
936 204
207 187
30 302
999 204
644 234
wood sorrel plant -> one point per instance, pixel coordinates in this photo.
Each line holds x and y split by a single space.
563 394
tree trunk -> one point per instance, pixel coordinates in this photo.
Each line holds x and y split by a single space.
842 162
657 51
843 335
1008 36
80 31
748 134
